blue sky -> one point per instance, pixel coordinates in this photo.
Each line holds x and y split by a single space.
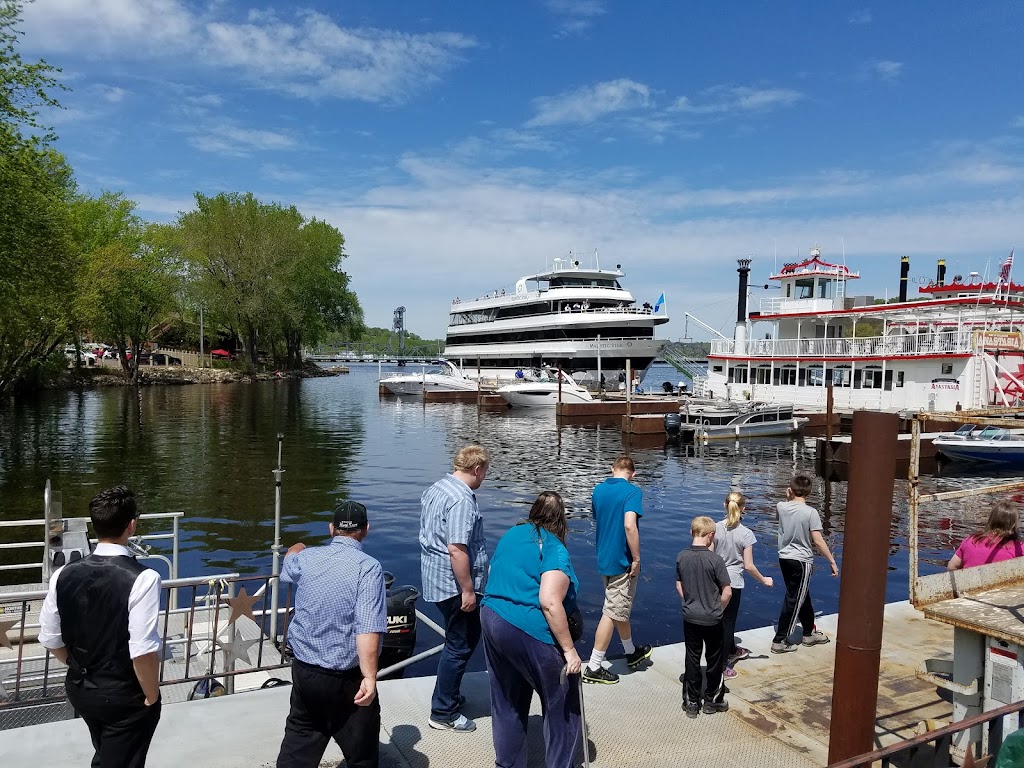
461 144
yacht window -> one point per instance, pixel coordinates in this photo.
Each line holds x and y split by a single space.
815 377
871 378
899 378
716 369
738 374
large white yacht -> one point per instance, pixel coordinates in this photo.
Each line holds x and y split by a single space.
577 317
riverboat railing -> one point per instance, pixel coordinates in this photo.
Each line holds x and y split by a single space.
933 748
896 345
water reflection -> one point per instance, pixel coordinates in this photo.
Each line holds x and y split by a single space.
209 451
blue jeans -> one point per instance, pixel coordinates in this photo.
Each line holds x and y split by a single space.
520 665
462 635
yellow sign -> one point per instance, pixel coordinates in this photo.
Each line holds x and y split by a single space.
998 340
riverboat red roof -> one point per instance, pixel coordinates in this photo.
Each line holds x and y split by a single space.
815 266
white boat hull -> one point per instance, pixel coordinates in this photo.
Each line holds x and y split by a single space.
541 395
416 385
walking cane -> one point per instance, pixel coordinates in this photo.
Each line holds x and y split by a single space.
583 715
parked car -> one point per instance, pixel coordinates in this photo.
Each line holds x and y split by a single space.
162 358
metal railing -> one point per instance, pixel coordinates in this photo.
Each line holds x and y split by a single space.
897 345
172 562
939 743
202 642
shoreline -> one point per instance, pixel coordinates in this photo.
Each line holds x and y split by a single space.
178 375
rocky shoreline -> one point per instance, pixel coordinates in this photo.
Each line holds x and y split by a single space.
157 375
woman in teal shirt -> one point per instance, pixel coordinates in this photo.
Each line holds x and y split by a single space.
531 590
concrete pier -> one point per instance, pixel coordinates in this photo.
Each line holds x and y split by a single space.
780 707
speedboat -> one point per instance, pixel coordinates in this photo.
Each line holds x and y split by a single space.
993 445
445 377
544 392
727 421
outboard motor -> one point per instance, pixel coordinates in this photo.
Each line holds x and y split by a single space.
673 425
68 542
400 640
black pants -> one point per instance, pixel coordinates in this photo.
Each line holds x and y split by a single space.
797 604
120 724
322 709
703 639
729 622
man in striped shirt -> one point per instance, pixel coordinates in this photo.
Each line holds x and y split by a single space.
335 635
453 563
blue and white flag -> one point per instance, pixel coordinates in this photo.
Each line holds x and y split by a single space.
659 302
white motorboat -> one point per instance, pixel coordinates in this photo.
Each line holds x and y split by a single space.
544 392
992 445
445 377
728 421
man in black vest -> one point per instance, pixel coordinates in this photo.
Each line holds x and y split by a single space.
100 617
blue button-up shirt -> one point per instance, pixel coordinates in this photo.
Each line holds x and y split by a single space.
339 593
450 515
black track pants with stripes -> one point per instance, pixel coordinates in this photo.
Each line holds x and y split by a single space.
797 605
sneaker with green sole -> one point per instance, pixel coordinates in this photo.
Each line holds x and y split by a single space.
640 653
600 675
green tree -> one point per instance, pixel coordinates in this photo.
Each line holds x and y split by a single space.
266 274
37 268
130 273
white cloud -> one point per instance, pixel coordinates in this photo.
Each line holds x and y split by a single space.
737 99
110 93
887 71
576 15
587 104
225 137
1019 122
861 16
307 55
99 27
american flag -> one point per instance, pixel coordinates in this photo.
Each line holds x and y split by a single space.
1004 271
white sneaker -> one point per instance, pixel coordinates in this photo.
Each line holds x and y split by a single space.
461 723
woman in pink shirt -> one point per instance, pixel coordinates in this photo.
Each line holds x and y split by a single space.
999 541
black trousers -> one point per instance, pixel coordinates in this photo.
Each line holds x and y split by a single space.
322 709
120 724
703 639
729 621
797 605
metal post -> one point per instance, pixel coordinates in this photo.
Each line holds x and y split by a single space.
914 480
173 596
202 348
862 589
275 587
829 409
599 387
629 388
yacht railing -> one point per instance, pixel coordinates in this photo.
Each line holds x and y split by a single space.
564 308
907 345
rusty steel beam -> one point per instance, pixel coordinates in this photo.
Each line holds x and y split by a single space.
862 589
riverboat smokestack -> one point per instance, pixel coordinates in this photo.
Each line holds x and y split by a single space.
940 273
740 337
904 277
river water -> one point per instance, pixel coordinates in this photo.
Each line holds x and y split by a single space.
209 451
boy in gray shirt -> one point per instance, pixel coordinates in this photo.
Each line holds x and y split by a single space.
799 531
703 583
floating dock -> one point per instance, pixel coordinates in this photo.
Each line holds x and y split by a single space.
779 715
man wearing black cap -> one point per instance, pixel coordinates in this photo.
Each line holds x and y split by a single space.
335 635
100 617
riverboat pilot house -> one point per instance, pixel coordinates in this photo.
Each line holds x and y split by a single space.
958 345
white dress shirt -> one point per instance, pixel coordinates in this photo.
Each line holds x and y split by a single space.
143 608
